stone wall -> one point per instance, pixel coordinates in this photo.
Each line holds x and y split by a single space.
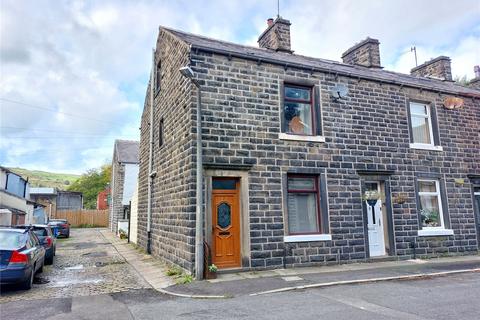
369 130
439 67
173 203
276 36
366 53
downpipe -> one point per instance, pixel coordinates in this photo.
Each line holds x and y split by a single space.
150 158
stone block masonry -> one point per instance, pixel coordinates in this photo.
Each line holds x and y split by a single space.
173 205
369 130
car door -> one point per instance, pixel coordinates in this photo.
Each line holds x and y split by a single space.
38 252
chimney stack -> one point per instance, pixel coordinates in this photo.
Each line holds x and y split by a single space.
439 68
276 36
366 53
475 82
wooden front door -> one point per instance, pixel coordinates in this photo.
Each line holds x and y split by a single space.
226 222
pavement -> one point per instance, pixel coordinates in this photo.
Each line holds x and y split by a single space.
267 282
256 283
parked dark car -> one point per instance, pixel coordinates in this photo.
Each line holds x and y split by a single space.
62 225
21 256
46 238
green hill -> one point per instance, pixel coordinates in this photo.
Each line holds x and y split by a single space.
47 179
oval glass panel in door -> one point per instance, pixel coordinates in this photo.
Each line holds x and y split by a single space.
224 214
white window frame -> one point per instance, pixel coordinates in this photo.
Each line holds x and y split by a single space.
439 200
428 115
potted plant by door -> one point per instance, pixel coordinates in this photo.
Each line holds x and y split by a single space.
212 272
371 197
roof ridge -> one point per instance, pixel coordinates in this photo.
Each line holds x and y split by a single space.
249 52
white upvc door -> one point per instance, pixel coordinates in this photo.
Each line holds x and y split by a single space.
376 239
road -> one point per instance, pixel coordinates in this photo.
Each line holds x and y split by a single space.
451 297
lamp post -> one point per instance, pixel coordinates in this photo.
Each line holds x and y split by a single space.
187 72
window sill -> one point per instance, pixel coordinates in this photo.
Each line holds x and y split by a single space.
308 238
421 146
435 232
294 137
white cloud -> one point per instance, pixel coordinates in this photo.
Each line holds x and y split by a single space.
92 59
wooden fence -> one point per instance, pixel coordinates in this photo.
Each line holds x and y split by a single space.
77 218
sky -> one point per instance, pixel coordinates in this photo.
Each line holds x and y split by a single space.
73 74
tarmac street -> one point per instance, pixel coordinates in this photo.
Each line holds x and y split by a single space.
451 297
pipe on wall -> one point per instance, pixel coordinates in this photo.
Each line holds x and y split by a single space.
150 159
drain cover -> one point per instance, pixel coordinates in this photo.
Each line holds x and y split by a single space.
292 278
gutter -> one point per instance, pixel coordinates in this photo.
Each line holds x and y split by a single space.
329 71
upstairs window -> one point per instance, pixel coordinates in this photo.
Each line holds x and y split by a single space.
421 122
160 133
298 111
423 126
158 76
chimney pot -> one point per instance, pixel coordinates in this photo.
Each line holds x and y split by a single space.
269 22
366 53
439 67
476 69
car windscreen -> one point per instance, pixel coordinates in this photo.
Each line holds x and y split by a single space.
41 232
11 240
56 222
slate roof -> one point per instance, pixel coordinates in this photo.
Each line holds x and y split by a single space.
316 64
127 151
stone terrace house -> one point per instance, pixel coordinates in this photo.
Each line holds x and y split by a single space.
291 146
124 181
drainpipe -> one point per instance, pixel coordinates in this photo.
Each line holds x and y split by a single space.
150 159
187 72
199 217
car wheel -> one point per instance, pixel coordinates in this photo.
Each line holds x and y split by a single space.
49 260
40 270
27 284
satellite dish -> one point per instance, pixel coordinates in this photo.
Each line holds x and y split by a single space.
340 91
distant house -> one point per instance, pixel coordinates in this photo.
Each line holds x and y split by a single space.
46 197
16 207
69 200
57 200
103 199
123 183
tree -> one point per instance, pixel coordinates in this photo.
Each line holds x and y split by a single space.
91 183
461 80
